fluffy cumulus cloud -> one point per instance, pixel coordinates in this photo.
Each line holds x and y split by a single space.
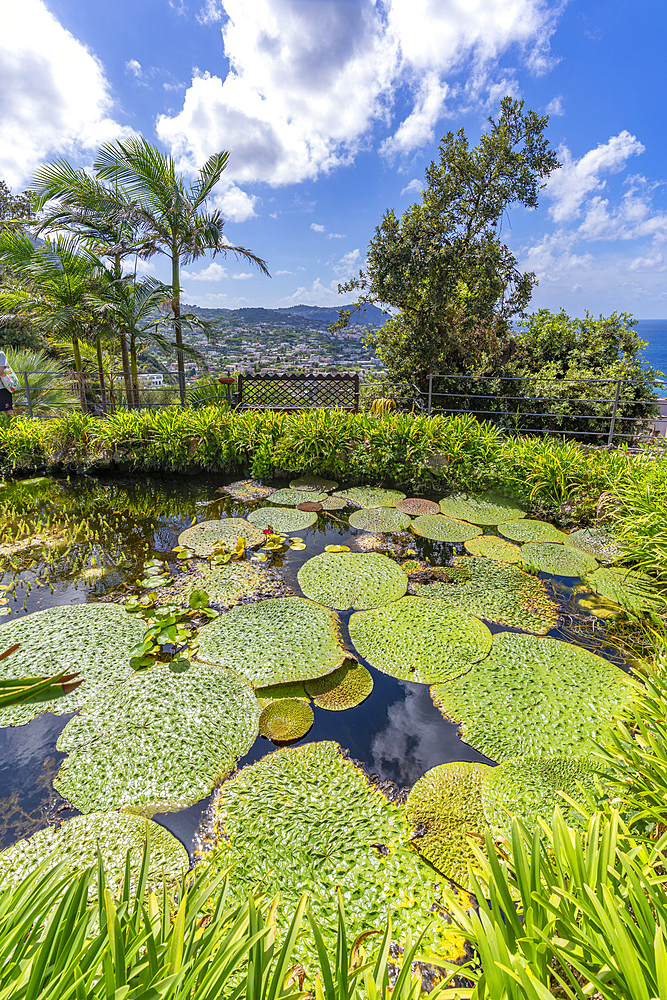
309 82
214 272
55 97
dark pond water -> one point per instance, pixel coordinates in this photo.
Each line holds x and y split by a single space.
104 531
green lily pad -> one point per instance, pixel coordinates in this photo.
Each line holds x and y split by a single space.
492 547
273 692
630 589
285 720
313 483
419 639
334 503
306 819
291 498
499 592
368 496
276 641
202 538
446 807
527 530
161 741
345 688
534 695
352 580
93 640
444 529
282 519
596 541
75 843
485 509
228 583
529 787
557 560
247 489
376 519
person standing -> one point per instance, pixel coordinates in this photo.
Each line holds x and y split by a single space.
6 401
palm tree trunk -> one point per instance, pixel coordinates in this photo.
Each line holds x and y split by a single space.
134 369
118 274
76 350
100 368
176 307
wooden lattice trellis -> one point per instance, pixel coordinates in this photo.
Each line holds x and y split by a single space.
298 392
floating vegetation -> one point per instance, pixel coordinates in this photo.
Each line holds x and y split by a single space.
534 695
596 542
492 547
285 720
368 496
527 530
530 787
305 819
445 806
313 483
497 591
227 585
444 529
161 741
334 503
92 640
398 544
290 498
204 537
376 519
272 692
631 590
415 505
247 489
310 506
281 519
352 580
556 560
345 688
275 641
75 844
336 548
419 639
485 509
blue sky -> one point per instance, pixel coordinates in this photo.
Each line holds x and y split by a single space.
331 110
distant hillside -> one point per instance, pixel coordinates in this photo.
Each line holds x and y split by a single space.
300 315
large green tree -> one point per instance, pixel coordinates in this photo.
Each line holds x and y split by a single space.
451 284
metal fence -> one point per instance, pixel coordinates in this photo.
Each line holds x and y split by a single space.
299 392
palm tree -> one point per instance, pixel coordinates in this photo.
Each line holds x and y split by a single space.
46 382
173 217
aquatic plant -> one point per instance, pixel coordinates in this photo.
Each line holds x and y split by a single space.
419 639
203 537
228 584
379 519
596 541
345 688
369 496
247 489
493 547
313 483
281 519
486 509
444 529
416 505
534 695
634 591
275 641
334 503
527 530
497 591
556 559
286 719
352 580
291 498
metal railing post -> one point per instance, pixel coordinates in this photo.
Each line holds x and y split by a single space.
27 392
356 393
430 394
610 439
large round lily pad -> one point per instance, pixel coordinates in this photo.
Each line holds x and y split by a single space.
444 529
345 688
247 489
313 483
492 547
379 519
369 496
291 498
534 695
419 639
75 843
276 641
526 530
286 719
334 503
230 582
630 589
445 806
202 538
161 741
557 560
485 509
417 505
529 787
93 640
352 580
597 541
282 519
499 592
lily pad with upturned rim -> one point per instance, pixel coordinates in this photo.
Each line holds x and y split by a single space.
352 580
285 720
419 639
309 483
376 519
527 530
370 496
202 538
345 688
439 528
417 505
282 519
487 509
493 547
556 559
291 498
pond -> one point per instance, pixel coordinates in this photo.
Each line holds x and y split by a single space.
68 542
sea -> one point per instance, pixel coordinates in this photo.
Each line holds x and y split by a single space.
655 332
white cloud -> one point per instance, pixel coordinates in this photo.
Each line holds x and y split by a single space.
134 67
55 96
278 273
555 107
336 236
415 186
317 227
570 186
653 261
307 82
317 295
234 204
553 256
347 265
242 276
214 272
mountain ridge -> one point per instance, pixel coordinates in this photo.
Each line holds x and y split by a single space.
301 314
